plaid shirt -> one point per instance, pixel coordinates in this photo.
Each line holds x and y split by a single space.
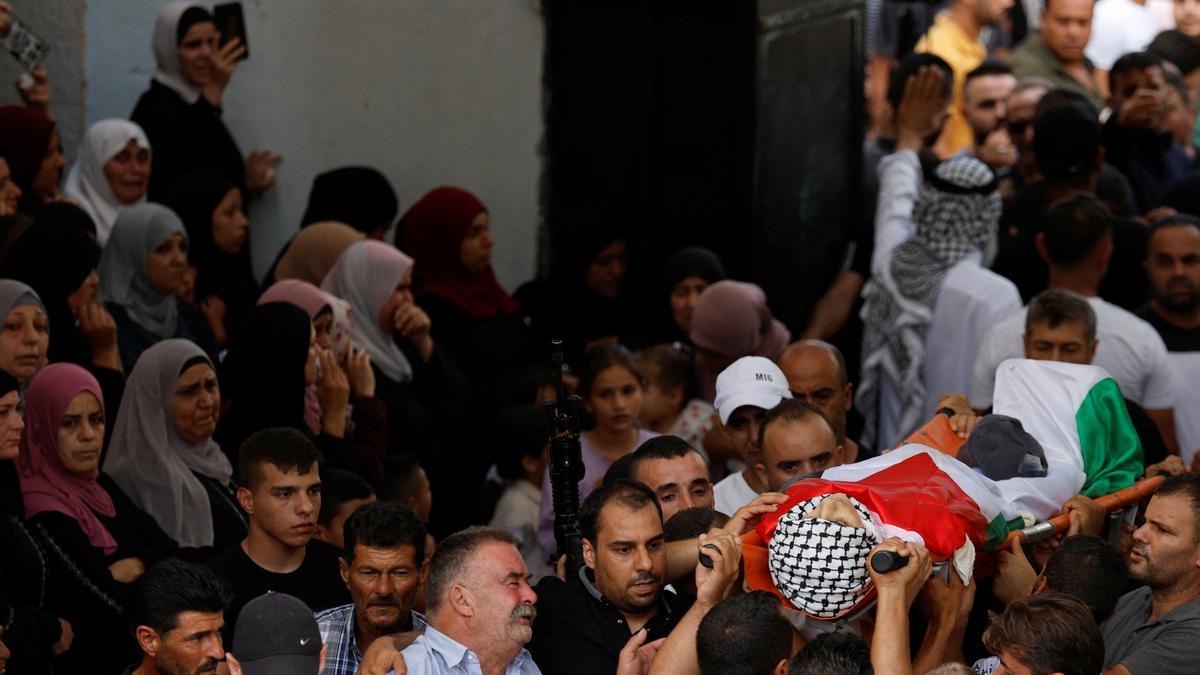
342 655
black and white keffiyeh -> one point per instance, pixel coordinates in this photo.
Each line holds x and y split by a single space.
956 212
820 565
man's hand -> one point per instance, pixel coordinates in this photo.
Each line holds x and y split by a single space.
383 656
1087 516
905 582
413 323
964 419
1015 577
232 664
636 657
260 170
745 518
1144 109
998 150
946 601
922 110
1171 466
726 552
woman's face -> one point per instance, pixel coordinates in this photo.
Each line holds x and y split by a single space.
197 403
86 294
81 433
615 399
476 248
314 352
229 223
128 173
24 341
606 272
401 297
683 301
166 264
195 53
323 325
10 426
49 175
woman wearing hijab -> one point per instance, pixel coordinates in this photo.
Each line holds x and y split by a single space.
685 276
478 325
30 143
358 196
732 320
181 111
96 541
111 172
330 318
210 206
34 634
25 338
313 251
163 455
140 270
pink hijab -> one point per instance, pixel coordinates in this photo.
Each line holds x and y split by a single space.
45 483
732 319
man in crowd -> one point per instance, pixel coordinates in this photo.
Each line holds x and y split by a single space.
1019 109
342 492
816 373
985 94
1056 52
383 566
281 495
1155 628
796 440
1083 566
276 633
481 608
1047 633
1173 265
721 642
675 471
746 390
178 613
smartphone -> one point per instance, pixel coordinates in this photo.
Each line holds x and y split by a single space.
25 45
231 22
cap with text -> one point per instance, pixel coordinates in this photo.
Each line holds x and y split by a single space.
276 634
751 380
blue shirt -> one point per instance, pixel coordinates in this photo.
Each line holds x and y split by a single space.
342 655
434 653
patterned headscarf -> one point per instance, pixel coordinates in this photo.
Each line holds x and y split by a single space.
819 565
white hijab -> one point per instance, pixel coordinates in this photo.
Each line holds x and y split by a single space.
86 183
148 458
365 275
166 51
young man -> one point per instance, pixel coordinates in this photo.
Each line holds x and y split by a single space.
383 565
342 492
721 644
985 93
1056 52
675 471
796 440
816 373
281 495
746 390
178 612
1047 633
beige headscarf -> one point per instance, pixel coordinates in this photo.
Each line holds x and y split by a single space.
314 250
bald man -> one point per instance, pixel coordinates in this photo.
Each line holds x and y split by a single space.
816 373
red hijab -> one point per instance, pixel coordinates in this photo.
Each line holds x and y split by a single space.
46 484
433 231
25 136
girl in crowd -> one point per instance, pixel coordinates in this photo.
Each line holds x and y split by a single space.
162 453
29 141
181 111
111 172
732 320
26 335
140 270
313 251
358 196
670 407
685 276
96 541
33 632
449 231
210 206
330 318
613 389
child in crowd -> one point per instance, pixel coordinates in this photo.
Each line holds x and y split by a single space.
521 460
670 406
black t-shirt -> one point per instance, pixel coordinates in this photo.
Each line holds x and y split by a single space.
317 581
1177 339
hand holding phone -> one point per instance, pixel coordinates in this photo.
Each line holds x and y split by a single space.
231 22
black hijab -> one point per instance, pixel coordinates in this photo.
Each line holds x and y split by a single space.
11 500
359 196
692 261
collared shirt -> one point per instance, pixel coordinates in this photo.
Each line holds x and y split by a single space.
1032 58
342 655
1163 646
579 632
946 39
435 653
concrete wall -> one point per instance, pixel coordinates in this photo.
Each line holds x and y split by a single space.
431 92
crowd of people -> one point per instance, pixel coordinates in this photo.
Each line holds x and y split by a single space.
345 466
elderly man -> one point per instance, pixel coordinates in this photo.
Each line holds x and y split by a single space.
816 373
1056 52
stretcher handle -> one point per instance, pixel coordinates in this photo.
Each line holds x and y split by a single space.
1111 502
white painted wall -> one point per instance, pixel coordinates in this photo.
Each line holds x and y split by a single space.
431 92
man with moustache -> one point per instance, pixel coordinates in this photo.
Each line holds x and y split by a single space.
1155 629
481 611
281 495
382 566
816 373
178 615
618 597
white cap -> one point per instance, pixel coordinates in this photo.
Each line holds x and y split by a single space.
751 380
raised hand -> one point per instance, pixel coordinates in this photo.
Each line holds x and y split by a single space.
260 170
413 323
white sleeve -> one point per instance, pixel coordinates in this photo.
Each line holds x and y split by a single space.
983 375
899 182
1108 41
1159 392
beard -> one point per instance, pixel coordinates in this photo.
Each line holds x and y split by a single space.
166 664
1179 302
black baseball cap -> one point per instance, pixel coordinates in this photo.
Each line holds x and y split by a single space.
276 634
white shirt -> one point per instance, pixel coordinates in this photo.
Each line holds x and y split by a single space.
732 493
1187 403
518 512
1130 350
1118 28
435 653
971 301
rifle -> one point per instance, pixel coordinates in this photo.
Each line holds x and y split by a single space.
566 466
